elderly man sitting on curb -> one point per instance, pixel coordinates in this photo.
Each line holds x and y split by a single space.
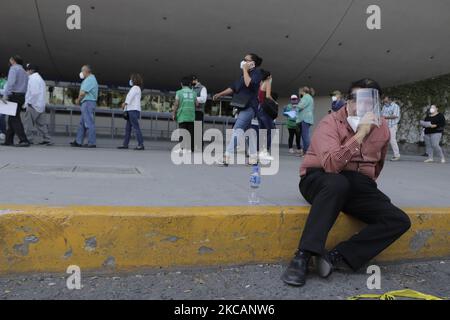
338 174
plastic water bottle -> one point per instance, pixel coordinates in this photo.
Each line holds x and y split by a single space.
255 182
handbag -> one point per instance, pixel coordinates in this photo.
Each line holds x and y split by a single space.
240 100
270 107
125 115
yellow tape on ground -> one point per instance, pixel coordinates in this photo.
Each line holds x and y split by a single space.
391 295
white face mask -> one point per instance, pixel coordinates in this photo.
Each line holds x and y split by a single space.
251 64
334 98
130 83
354 122
81 75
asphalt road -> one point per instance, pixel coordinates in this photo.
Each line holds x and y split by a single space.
256 282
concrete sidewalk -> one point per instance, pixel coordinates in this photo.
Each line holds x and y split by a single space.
60 175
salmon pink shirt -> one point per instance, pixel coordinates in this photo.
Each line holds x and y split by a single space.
334 147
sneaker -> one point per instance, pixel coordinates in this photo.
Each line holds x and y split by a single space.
139 148
264 155
45 143
429 160
75 144
443 160
225 162
89 146
2 136
122 147
291 150
395 158
300 152
23 144
253 160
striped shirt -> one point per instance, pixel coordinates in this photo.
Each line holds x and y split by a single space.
390 110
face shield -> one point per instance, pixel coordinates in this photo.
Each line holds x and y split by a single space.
363 106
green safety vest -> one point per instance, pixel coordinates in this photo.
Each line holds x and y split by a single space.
186 105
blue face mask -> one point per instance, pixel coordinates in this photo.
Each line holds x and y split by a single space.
131 83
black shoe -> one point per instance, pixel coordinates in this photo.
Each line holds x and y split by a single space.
75 144
295 274
139 148
89 146
23 144
324 266
122 147
7 144
329 262
45 143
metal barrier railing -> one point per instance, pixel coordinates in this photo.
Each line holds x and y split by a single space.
149 130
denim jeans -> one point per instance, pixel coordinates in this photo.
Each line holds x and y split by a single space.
2 123
87 123
133 123
243 122
304 127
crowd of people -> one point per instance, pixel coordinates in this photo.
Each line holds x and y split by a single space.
342 160
254 101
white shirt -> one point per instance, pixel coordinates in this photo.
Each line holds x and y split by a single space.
35 95
203 96
133 99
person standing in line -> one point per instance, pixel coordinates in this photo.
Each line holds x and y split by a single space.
294 130
35 116
433 133
14 91
245 90
264 119
337 101
391 112
2 116
305 115
202 96
132 109
184 112
88 98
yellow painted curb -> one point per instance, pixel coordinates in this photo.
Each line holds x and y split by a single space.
49 239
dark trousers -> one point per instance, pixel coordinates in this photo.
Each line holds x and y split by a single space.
199 115
294 133
304 132
15 126
356 195
2 123
133 123
189 126
265 122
